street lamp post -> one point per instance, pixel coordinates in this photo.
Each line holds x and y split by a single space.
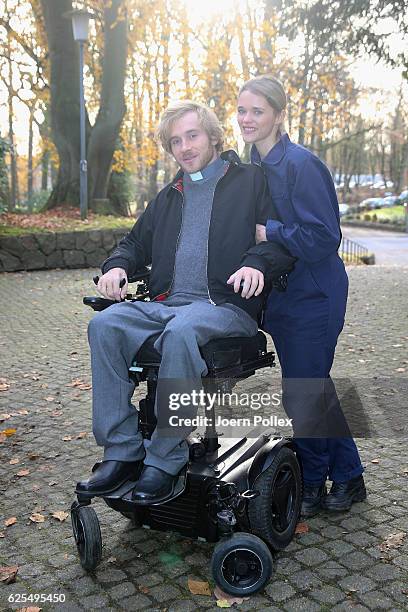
80 23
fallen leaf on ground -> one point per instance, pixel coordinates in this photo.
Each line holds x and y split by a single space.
49 398
36 517
34 456
400 370
23 473
57 413
198 587
67 438
2 534
10 521
302 528
8 573
83 434
111 560
9 432
394 540
60 515
14 461
144 589
4 416
375 461
229 599
81 384
4 386
52 483
223 603
29 609
23 412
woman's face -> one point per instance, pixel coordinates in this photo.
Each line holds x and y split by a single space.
257 119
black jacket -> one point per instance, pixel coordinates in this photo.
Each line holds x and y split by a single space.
241 200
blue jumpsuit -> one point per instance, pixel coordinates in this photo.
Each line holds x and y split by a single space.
306 320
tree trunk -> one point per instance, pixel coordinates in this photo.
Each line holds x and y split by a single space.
14 191
64 86
64 109
45 163
30 159
104 135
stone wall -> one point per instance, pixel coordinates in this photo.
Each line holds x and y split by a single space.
42 251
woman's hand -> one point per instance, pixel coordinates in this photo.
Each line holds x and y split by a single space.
260 235
252 281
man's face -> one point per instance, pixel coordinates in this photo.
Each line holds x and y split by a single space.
190 144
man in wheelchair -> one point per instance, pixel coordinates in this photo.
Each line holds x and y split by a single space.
207 278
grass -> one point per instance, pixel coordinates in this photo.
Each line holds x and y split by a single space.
58 220
395 214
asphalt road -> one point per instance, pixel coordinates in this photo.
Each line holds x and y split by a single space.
390 248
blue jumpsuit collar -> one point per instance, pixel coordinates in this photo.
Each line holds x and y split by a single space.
275 155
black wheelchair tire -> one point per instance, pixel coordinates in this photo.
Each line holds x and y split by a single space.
243 552
273 522
88 537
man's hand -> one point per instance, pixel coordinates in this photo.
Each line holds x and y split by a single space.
253 281
108 284
260 235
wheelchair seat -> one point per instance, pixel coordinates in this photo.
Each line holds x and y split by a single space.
218 353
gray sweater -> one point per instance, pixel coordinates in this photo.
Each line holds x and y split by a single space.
190 274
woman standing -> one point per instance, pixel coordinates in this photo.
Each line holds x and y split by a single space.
306 320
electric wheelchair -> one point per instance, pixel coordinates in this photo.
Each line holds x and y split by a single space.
243 493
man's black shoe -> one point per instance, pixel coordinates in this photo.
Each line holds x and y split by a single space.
153 486
343 494
312 499
109 476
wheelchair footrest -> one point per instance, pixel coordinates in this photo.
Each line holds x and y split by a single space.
125 491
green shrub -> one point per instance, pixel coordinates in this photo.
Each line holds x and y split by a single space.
367 217
374 217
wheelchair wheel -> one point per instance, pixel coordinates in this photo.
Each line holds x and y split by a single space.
242 564
273 515
87 534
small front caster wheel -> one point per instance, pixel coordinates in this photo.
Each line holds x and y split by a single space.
242 564
87 534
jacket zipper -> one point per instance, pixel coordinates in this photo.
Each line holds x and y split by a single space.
165 294
208 240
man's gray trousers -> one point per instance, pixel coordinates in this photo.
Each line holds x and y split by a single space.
115 336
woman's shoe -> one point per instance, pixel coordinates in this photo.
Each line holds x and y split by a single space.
312 499
343 494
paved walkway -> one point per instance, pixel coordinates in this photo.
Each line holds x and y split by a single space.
390 248
340 564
